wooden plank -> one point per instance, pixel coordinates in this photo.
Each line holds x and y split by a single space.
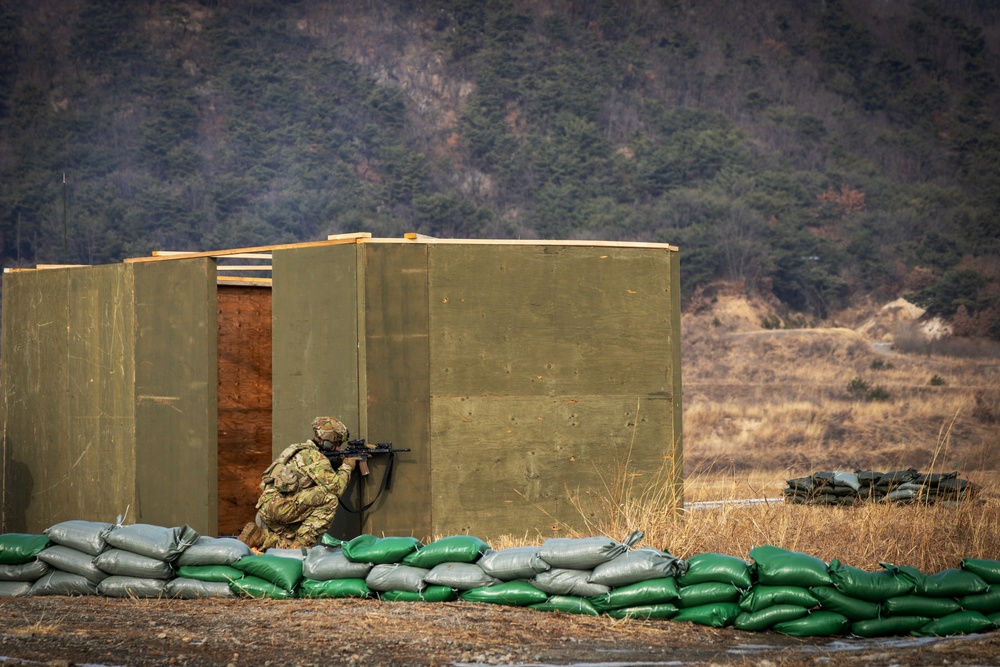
344 239
411 238
244 396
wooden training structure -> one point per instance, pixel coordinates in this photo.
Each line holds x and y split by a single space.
531 380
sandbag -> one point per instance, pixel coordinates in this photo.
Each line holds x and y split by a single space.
132 587
213 551
58 582
33 570
379 550
254 587
454 549
19 548
780 567
460 576
513 563
564 581
645 611
335 588
194 589
324 563
816 624
584 553
716 614
988 570
210 573
298 554
890 625
157 542
568 604
396 577
985 603
85 536
710 592
513 593
15 589
429 594
760 596
642 593
121 563
870 586
919 605
714 567
72 561
951 583
959 623
853 609
637 565
285 573
763 619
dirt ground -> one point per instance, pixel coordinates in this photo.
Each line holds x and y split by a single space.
98 631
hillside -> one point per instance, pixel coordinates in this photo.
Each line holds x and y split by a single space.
819 153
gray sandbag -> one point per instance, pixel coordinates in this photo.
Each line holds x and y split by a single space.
122 563
132 587
86 536
33 570
15 589
396 577
67 559
157 542
214 551
460 576
637 565
193 589
565 581
327 563
58 582
584 553
512 563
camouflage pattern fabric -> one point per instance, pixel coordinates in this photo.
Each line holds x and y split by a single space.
299 498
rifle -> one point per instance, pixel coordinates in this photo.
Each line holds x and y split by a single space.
360 450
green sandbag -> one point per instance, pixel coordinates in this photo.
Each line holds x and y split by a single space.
569 604
334 588
379 550
985 603
988 570
871 586
817 624
759 597
329 540
722 568
711 592
959 623
19 548
255 587
429 594
514 593
830 599
217 573
951 583
994 618
891 625
919 605
283 572
645 611
780 567
717 615
767 617
651 591
455 549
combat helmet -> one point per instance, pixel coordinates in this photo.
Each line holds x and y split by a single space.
329 432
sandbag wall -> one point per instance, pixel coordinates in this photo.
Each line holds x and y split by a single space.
780 590
897 486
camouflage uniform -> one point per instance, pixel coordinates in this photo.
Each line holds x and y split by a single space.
300 497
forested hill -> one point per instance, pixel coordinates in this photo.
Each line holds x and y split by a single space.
816 150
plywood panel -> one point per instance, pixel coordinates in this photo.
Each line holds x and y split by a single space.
244 401
176 393
397 400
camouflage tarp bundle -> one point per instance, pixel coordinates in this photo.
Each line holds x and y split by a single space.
897 486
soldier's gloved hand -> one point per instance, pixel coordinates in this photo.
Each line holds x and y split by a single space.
350 462
371 445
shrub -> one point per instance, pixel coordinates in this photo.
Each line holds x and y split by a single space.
880 364
937 381
857 388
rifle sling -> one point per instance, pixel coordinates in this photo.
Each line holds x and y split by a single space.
386 483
